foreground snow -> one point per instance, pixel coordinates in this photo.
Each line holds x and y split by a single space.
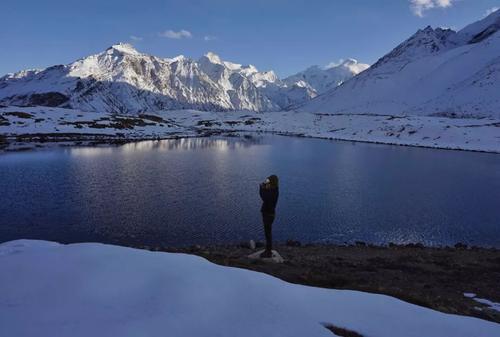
437 132
47 289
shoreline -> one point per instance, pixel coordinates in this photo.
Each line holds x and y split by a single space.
440 278
31 124
28 142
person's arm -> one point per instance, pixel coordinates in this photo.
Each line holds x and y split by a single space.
265 193
275 194
261 191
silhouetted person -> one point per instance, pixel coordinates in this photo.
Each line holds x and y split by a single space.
269 193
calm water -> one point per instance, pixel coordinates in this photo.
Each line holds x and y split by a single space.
198 191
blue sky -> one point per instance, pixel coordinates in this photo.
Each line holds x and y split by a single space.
283 35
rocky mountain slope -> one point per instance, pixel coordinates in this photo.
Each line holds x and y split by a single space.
436 72
123 80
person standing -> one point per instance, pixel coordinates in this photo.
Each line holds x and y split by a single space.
269 193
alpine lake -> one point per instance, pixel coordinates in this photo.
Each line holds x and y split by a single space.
197 191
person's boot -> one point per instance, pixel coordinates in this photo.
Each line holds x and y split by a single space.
267 254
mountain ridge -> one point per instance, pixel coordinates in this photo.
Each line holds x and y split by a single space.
122 79
436 72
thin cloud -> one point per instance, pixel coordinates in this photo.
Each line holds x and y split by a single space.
135 38
491 10
172 34
418 7
209 38
334 64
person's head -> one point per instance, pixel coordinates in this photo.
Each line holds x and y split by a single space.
273 181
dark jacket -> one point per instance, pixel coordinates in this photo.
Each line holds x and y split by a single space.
269 196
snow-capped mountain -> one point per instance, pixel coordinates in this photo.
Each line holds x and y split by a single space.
434 72
321 79
123 80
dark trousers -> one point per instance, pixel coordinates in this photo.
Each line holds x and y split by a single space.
268 220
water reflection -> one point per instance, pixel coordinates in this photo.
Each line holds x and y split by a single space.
219 144
90 151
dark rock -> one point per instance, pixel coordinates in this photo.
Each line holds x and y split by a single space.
247 244
196 248
4 121
415 245
52 99
153 118
19 114
293 243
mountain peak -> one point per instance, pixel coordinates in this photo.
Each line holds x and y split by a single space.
124 48
341 63
427 29
351 64
178 58
354 66
214 58
423 43
433 31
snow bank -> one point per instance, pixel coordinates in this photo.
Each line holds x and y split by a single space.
89 289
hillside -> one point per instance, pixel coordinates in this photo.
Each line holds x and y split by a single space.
436 72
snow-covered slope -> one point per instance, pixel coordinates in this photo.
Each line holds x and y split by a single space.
90 289
434 72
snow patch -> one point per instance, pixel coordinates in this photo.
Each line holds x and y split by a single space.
91 289
490 304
